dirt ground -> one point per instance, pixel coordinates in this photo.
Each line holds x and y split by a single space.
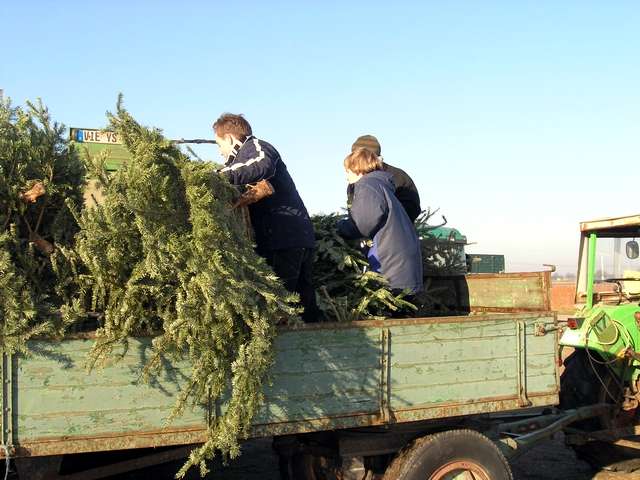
550 461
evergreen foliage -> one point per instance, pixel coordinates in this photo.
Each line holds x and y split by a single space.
39 175
166 253
440 256
346 290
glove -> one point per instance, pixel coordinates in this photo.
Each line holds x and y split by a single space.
254 193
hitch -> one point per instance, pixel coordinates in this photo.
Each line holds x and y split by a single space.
522 435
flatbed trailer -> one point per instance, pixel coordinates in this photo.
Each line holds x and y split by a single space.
345 393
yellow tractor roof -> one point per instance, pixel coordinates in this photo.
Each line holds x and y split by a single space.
613 223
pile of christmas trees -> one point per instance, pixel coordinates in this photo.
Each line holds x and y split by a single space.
346 290
163 254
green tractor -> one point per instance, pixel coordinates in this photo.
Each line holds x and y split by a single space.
604 367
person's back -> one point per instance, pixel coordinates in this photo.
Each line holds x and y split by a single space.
376 213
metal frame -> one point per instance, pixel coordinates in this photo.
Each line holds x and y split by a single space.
521 338
7 402
591 267
610 223
525 434
385 365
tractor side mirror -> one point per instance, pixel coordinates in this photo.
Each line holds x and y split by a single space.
632 249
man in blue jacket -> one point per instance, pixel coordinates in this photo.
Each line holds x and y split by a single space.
283 230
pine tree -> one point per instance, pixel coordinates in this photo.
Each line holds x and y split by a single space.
346 290
39 176
165 253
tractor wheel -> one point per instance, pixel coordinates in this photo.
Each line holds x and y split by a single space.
586 382
579 386
450 455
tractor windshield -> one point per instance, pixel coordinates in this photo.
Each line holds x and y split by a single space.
612 261
616 276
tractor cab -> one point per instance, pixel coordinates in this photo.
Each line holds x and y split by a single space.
604 365
607 320
609 263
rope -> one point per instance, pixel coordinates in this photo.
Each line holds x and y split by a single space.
620 331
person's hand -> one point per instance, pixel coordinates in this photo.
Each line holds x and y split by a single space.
254 193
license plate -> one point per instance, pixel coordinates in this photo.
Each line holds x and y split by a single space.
84 135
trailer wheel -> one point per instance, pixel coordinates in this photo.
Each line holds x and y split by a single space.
448 455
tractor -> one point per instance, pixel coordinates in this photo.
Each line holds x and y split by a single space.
601 342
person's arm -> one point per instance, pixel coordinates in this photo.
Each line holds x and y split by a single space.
349 195
410 200
369 211
406 191
259 164
347 229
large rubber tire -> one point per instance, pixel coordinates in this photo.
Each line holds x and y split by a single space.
443 455
580 386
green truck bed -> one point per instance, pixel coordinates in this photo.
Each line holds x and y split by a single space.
325 377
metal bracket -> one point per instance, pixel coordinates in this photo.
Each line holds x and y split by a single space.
521 336
385 347
541 329
578 437
7 401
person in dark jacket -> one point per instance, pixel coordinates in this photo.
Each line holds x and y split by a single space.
376 213
406 190
283 230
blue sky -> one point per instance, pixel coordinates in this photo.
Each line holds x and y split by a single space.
516 119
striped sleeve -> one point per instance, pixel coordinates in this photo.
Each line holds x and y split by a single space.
253 163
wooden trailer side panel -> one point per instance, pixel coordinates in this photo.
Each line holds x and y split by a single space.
448 369
324 377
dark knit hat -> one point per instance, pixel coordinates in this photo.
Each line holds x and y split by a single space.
369 142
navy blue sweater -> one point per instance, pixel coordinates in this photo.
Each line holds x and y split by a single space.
377 213
280 221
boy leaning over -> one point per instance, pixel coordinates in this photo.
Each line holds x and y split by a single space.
283 230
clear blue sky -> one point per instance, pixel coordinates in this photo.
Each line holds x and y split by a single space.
516 119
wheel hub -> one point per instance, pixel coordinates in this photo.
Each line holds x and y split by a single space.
460 470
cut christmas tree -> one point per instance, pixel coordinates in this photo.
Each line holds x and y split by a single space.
166 254
39 177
